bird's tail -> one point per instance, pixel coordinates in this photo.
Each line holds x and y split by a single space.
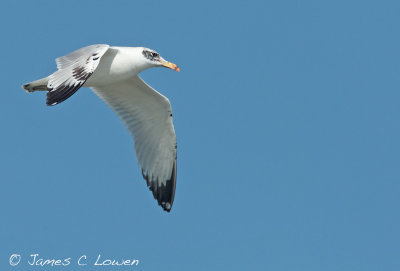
40 84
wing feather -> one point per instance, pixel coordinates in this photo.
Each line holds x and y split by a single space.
148 116
73 71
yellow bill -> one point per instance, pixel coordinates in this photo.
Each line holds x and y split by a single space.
171 66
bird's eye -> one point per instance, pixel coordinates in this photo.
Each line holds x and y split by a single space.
150 55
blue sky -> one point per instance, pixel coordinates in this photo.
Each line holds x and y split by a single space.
286 116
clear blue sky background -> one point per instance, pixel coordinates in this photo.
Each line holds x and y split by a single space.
287 121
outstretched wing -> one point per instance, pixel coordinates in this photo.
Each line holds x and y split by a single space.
73 71
148 116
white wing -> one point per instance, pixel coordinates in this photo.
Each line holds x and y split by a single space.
73 71
148 116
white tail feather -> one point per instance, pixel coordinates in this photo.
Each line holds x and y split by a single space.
40 84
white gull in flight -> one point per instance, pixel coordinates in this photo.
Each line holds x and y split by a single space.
111 72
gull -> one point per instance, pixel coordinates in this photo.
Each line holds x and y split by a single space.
112 73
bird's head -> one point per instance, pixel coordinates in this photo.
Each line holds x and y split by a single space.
154 60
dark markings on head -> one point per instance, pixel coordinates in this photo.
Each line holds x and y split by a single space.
151 55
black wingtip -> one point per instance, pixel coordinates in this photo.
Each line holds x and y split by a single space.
61 94
164 193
